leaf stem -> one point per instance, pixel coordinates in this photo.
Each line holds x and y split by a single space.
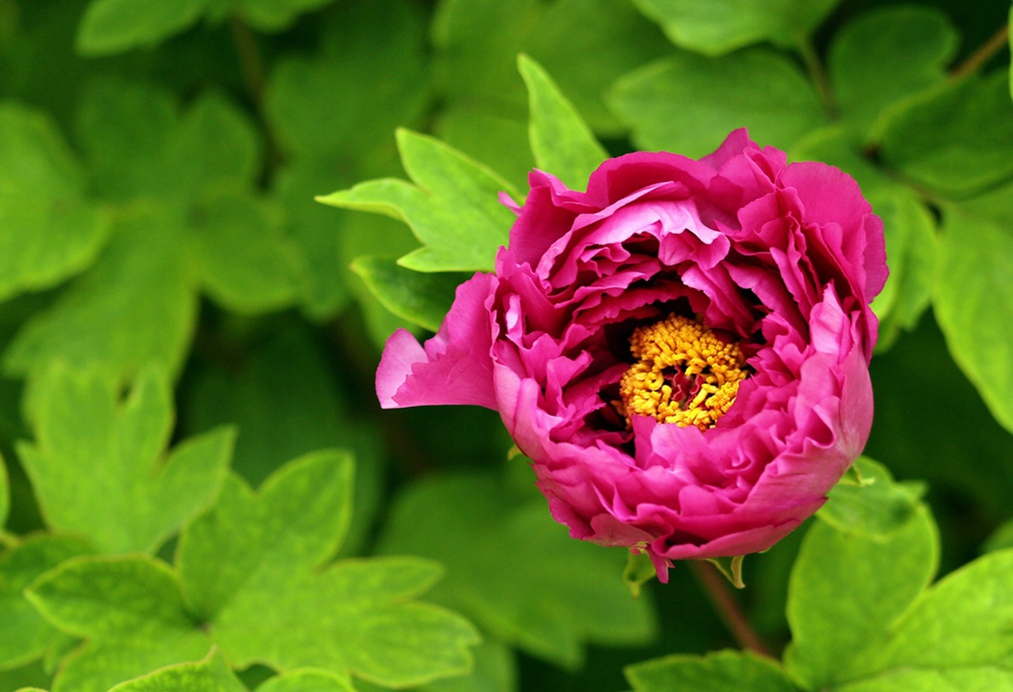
983 54
819 76
728 608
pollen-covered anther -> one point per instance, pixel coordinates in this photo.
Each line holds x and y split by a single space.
684 374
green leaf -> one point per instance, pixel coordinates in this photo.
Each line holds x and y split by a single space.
538 600
50 230
688 103
1001 538
113 26
131 611
886 55
422 299
5 494
495 671
978 679
98 466
954 139
973 296
136 306
560 140
721 26
908 225
252 567
849 587
246 263
483 132
275 15
878 506
26 636
723 671
210 675
958 629
307 680
454 210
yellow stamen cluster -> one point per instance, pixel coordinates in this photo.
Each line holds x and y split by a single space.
678 345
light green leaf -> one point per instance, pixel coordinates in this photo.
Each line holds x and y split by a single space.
849 587
113 26
131 611
246 263
878 506
454 210
25 635
98 467
688 103
48 229
723 671
720 26
275 15
973 297
959 626
886 55
252 568
423 299
976 679
538 600
307 680
954 139
560 140
495 671
210 675
136 306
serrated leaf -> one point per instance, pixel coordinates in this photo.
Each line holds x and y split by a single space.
560 140
886 55
973 297
98 467
538 600
423 299
135 306
878 507
252 568
307 680
210 675
454 210
49 230
131 611
688 103
25 635
113 26
246 263
847 588
954 139
721 26
723 671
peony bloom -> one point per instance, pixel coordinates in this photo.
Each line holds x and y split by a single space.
682 351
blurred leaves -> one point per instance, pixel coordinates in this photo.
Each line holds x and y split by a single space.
724 671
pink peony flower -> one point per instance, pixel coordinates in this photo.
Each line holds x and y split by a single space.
682 350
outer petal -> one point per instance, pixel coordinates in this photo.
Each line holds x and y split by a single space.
455 367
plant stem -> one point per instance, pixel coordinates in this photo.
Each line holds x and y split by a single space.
728 608
819 76
250 61
984 53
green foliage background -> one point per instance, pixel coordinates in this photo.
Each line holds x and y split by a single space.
198 490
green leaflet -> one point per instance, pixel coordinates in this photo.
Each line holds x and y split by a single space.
307 680
716 28
112 26
252 567
541 605
688 103
422 299
51 230
130 610
723 671
98 465
453 208
560 140
25 635
210 675
873 504
885 56
973 297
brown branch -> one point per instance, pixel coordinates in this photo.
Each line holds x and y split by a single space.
728 608
984 53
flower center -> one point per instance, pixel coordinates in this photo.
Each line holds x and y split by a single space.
684 374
